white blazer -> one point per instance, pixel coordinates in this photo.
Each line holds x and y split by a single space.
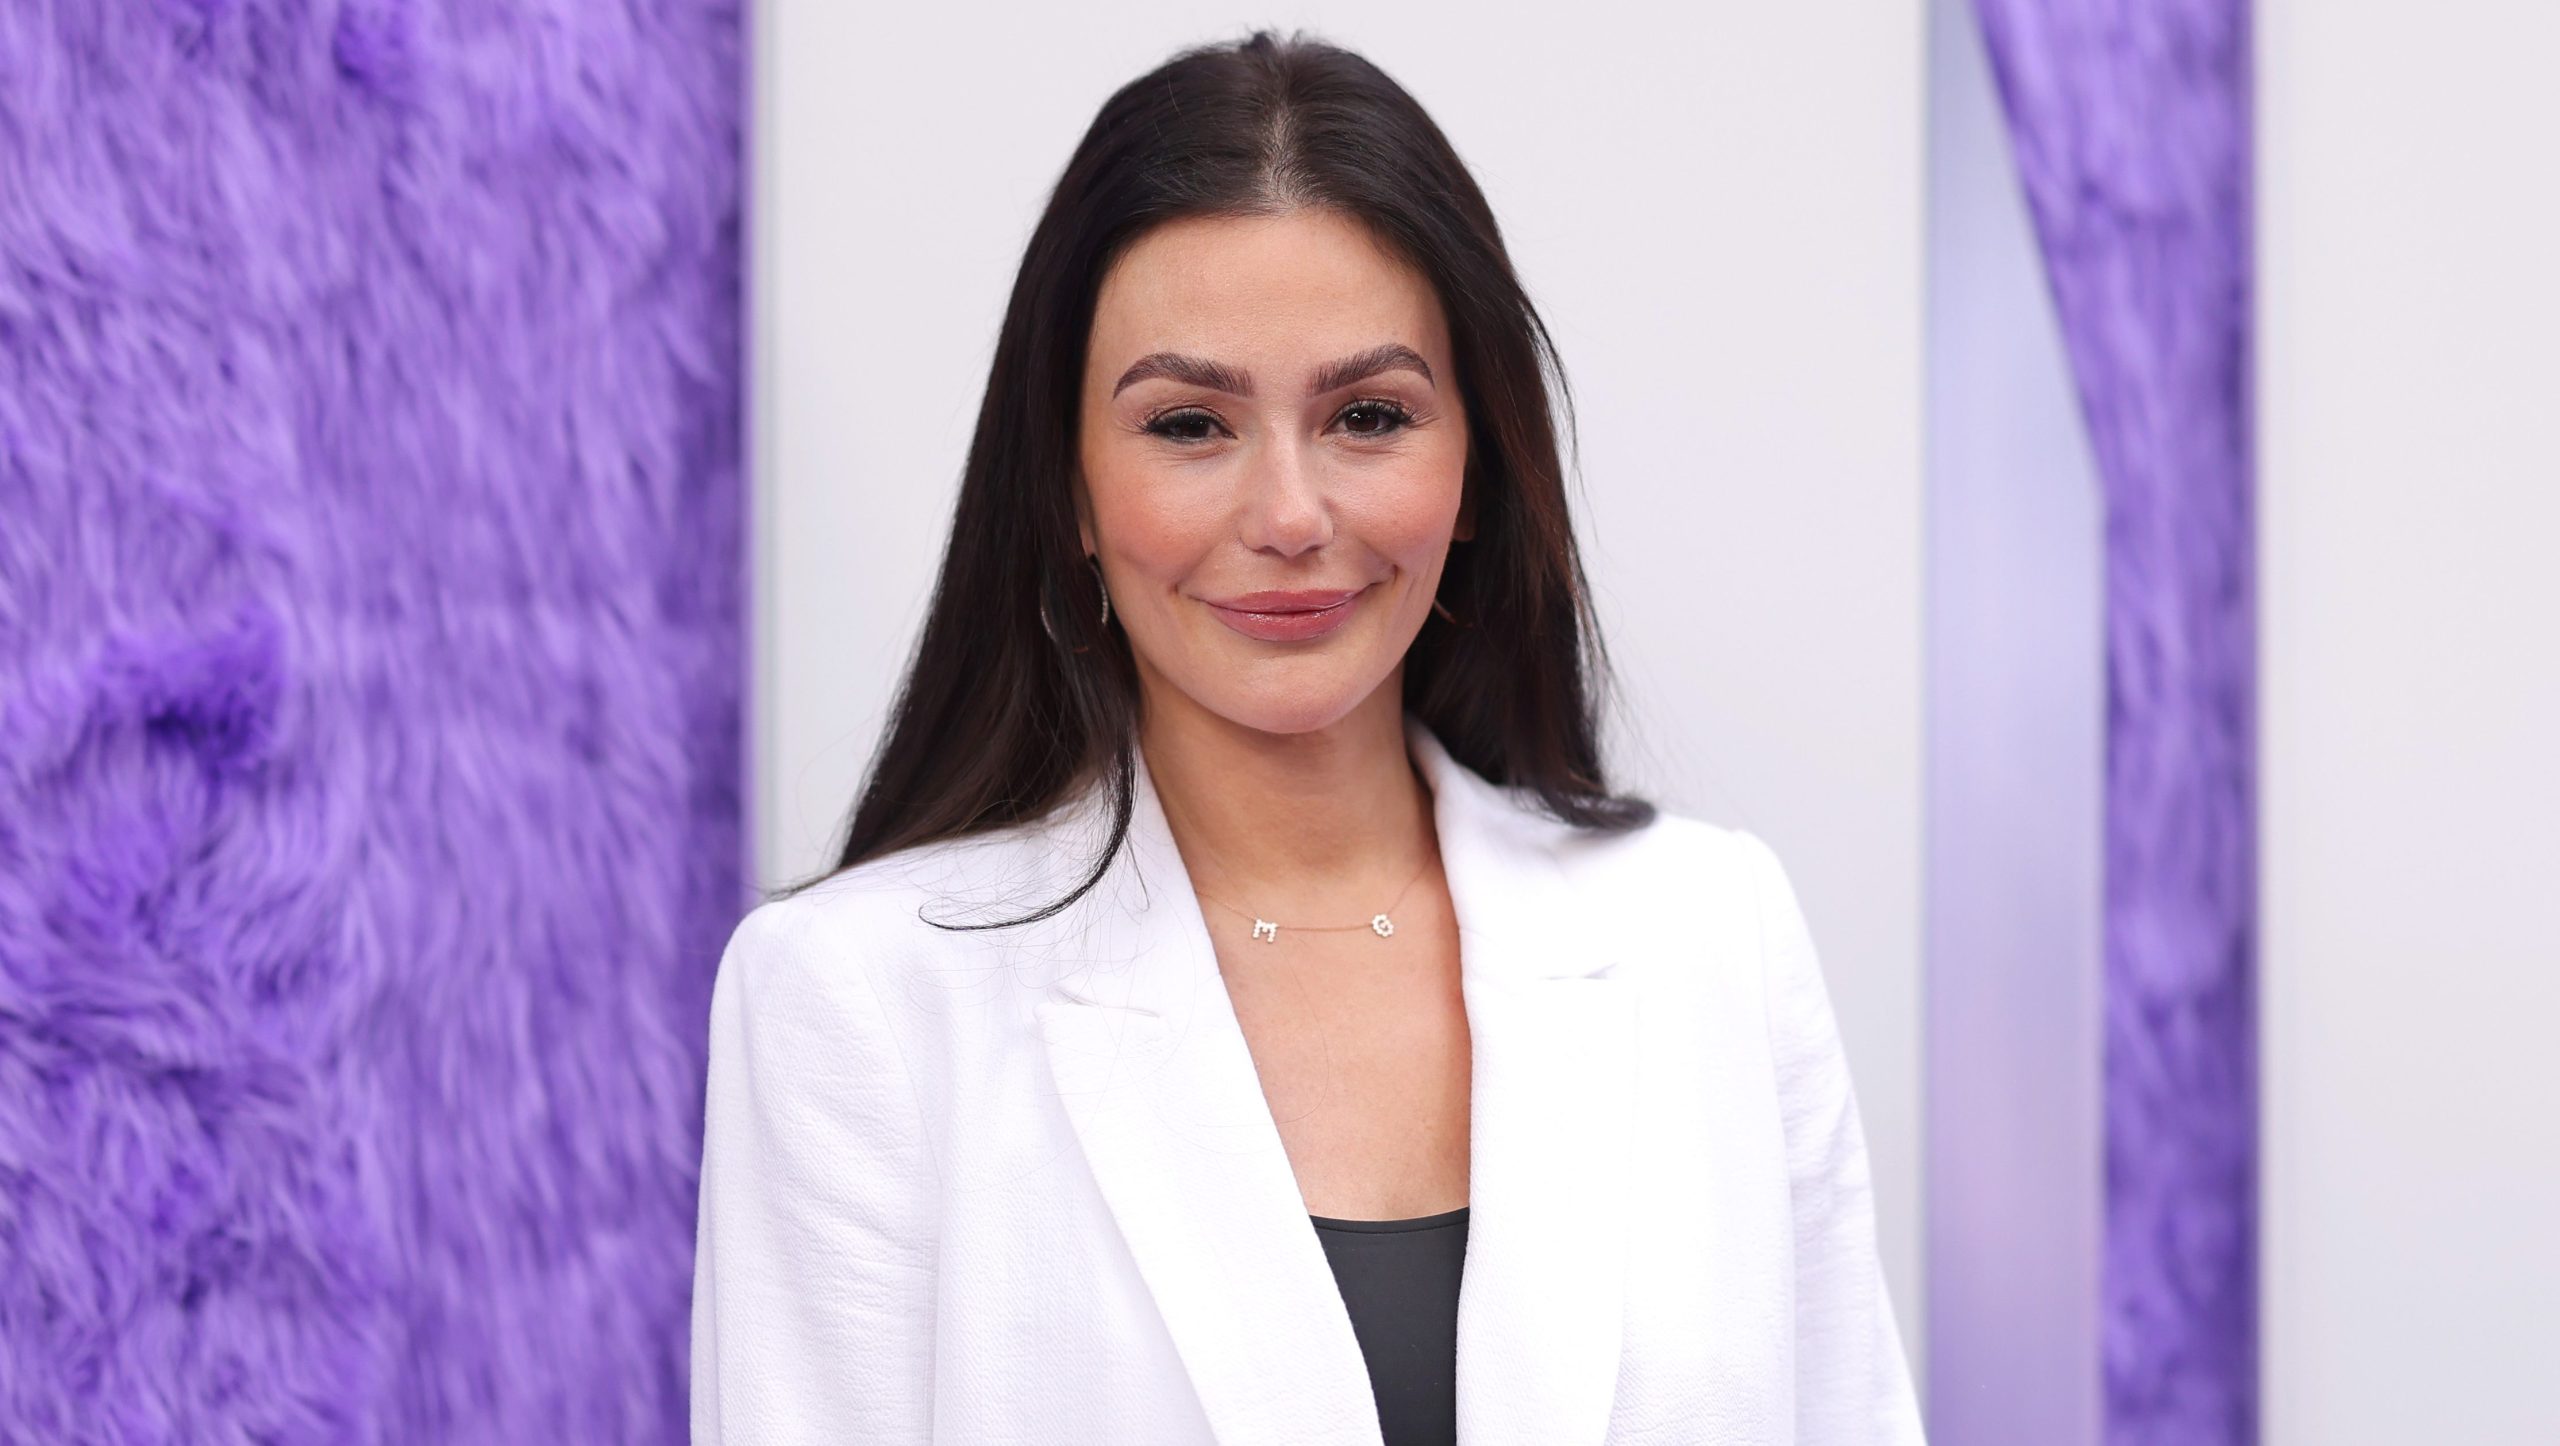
1022 1185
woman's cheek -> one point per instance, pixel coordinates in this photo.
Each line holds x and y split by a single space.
1414 515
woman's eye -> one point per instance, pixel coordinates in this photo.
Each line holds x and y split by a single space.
1186 426
1374 419
1190 426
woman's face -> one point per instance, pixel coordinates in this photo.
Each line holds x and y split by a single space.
1270 407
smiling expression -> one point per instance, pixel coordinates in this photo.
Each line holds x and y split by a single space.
1273 454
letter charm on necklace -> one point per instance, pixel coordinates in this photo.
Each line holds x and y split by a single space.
1267 931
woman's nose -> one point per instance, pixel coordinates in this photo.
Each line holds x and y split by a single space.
1283 504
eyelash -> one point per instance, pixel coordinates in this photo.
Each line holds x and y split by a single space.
1160 422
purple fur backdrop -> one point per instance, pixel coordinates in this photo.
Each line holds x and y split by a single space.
370 685
2131 131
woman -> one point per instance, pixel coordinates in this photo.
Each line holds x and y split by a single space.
1242 1012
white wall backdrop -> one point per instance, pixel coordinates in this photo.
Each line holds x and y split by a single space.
1719 211
2409 201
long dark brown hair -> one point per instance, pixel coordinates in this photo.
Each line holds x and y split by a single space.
997 721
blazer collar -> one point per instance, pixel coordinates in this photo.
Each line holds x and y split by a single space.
1161 1091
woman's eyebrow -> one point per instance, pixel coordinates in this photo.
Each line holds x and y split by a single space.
1219 377
1368 364
1216 376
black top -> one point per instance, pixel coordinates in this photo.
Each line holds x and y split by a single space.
1399 1279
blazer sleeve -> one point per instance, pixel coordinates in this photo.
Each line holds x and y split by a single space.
1853 1383
813 1279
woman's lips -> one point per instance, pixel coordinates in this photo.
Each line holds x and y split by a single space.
1287 616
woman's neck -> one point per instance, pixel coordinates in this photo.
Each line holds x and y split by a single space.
1293 823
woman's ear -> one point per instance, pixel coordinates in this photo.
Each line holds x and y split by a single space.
1084 512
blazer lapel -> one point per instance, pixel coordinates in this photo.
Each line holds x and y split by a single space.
1161 1091
1160 1088
1552 1025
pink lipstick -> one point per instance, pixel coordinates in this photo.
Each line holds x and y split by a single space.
1287 616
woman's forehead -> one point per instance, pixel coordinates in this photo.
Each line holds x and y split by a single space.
1302 287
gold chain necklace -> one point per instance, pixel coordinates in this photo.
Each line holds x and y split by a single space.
1379 924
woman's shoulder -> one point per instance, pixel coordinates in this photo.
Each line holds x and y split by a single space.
918 900
1673 851
1718 890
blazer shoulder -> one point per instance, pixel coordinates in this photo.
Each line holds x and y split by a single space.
1736 866
904 905
1698 900
1673 856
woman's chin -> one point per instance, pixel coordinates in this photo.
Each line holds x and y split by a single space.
1293 705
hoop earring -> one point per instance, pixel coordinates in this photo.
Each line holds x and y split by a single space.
1442 609
1051 628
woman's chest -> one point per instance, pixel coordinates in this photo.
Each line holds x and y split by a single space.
1362 1052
